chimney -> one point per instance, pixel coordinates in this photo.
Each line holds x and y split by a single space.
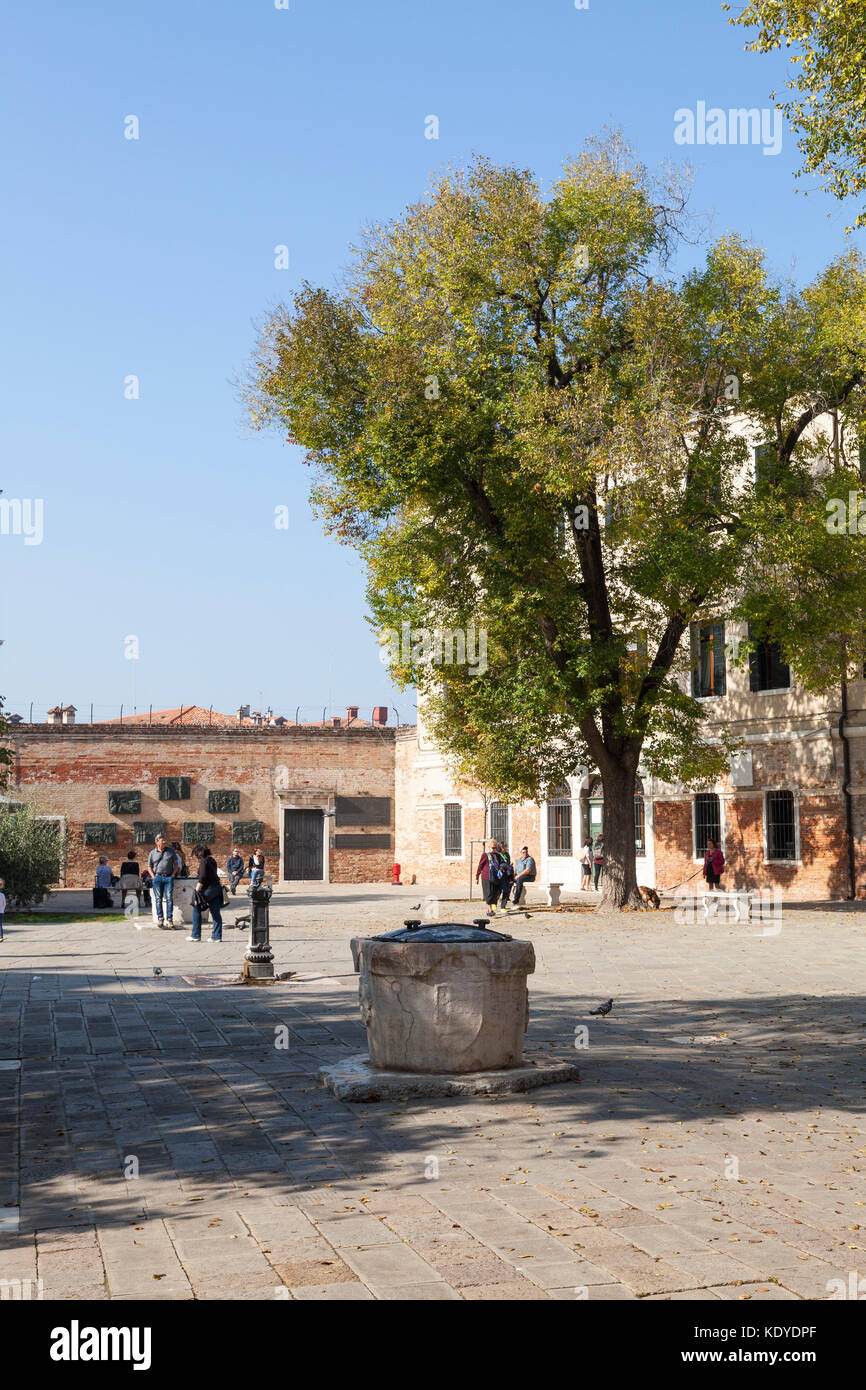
351 713
336 721
242 712
380 714
53 715
67 715
269 714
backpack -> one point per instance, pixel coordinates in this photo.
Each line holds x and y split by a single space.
495 868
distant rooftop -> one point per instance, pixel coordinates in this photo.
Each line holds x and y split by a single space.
244 717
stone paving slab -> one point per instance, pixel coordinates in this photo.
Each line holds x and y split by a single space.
162 1139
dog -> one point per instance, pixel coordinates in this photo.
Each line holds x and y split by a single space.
649 895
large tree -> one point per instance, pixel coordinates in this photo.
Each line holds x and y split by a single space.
826 44
525 423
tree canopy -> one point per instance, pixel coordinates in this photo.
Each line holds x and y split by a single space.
828 83
525 423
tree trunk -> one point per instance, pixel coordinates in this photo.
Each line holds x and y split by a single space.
619 875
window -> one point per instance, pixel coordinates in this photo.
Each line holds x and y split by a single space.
499 822
639 826
781 826
636 654
453 830
559 823
708 660
707 821
767 670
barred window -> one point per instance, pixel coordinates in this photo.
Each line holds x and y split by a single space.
707 821
639 826
708 660
767 669
453 829
499 822
781 826
559 823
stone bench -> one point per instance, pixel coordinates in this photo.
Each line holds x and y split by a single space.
741 900
550 892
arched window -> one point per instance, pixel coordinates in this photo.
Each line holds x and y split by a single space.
559 822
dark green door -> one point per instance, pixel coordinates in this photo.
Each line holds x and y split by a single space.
302 845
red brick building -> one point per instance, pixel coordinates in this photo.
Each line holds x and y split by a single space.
318 800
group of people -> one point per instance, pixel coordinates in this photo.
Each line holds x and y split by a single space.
591 863
165 863
502 882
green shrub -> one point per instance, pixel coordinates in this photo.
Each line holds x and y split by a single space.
29 854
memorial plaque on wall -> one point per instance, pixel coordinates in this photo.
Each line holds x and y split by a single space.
144 832
198 832
362 842
223 803
100 834
174 789
363 810
124 803
247 832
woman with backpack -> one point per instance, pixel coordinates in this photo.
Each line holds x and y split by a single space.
490 871
714 863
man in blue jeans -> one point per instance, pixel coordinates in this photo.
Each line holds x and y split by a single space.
162 863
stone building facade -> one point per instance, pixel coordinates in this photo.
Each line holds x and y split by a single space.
781 812
343 801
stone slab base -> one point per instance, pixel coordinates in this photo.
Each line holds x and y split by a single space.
356 1080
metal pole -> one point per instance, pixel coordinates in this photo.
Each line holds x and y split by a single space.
259 956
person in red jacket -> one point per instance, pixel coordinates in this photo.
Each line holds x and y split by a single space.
714 862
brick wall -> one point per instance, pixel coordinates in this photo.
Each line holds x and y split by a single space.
70 770
422 786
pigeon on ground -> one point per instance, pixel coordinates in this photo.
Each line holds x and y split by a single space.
603 1009
156 970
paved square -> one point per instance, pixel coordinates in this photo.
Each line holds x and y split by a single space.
166 1140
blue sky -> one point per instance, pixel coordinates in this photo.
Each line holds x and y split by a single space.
155 258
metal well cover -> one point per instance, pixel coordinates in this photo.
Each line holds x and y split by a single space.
442 931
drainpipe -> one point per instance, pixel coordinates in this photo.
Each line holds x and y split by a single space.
846 791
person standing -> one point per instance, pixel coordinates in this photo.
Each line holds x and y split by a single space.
208 895
235 869
2 905
162 862
714 863
586 865
490 872
598 860
524 872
